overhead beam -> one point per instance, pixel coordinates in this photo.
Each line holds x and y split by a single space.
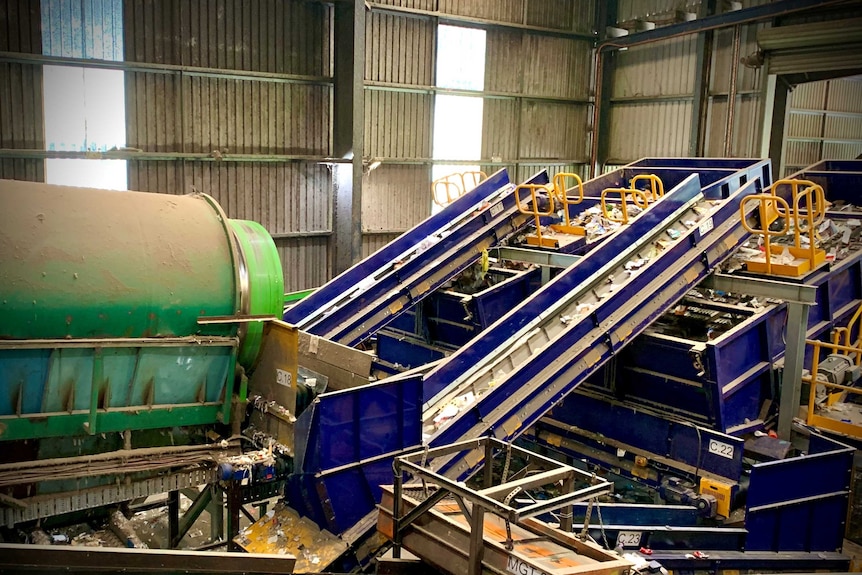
758 287
723 20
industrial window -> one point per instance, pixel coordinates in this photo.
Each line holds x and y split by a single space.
84 107
457 118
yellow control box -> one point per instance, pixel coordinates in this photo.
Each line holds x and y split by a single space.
721 491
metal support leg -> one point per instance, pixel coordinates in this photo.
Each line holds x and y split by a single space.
173 518
396 513
477 536
234 502
216 511
488 478
566 512
791 383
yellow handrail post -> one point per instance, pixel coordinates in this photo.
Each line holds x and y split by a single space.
655 185
769 205
563 194
638 198
533 208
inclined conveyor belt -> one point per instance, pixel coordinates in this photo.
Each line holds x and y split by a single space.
355 304
511 375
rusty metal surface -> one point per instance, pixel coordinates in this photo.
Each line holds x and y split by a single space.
16 558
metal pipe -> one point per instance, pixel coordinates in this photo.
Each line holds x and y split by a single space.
731 96
121 454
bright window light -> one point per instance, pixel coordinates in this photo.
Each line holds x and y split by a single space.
460 58
84 108
458 119
457 127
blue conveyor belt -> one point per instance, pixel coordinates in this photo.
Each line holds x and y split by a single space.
355 304
503 381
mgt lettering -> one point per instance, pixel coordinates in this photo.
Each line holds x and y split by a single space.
518 567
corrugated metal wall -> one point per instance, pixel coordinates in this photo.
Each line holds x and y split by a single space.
654 88
258 85
21 119
536 97
399 71
824 121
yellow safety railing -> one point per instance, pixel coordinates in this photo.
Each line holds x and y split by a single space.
806 210
768 209
565 199
813 418
844 333
656 188
638 198
532 208
454 186
815 211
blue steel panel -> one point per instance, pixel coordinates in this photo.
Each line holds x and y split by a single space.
359 423
22 371
347 280
788 521
554 291
395 349
744 401
637 514
650 433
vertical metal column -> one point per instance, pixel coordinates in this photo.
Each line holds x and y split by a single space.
234 502
348 131
173 517
566 512
791 381
477 537
216 511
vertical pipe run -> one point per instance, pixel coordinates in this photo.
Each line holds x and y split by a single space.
731 96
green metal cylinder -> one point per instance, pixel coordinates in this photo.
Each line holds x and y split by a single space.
88 263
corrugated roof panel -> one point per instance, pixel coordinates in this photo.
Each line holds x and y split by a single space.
558 14
396 197
808 96
843 127
415 4
797 153
499 10
552 130
748 78
504 61
83 28
802 125
499 128
264 35
664 68
20 27
399 49
397 124
558 67
282 197
842 150
845 96
649 129
305 262
373 242
203 114
747 124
